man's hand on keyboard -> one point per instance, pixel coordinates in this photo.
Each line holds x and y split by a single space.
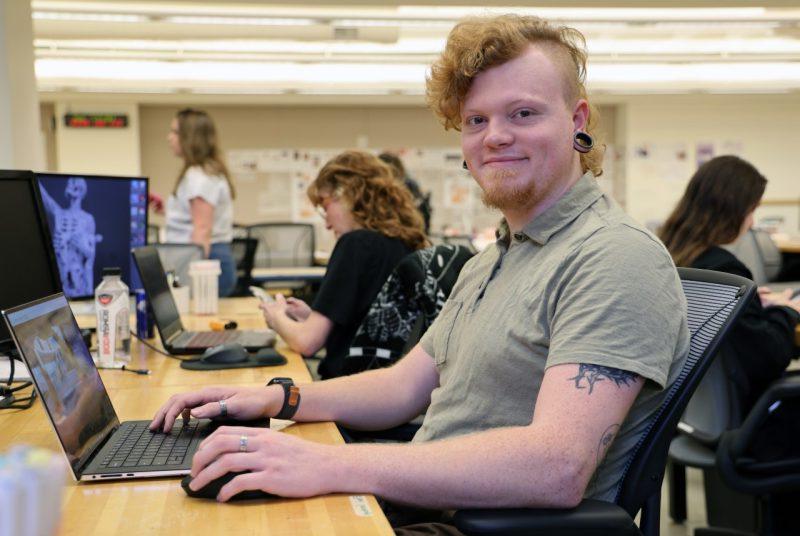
244 403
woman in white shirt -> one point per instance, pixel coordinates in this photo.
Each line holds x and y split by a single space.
200 209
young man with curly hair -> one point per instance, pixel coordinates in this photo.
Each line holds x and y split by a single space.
552 352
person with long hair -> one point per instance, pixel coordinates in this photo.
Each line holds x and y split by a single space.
717 209
375 223
200 209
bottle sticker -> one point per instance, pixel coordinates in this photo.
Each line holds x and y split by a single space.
360 506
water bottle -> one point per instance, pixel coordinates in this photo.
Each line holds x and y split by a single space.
113 311
144 316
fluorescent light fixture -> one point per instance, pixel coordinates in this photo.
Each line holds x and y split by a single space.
703 75
402 46
351 75
594 14
241 21
371 77
693 46
393 23
87 17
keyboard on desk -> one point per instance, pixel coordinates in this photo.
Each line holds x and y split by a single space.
205 339
135 446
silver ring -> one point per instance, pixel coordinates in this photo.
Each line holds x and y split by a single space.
223 408
243 443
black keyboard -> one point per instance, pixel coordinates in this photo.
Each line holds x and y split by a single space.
137 446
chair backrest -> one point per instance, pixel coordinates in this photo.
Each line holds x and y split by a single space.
244 254
716 405
759 253
177 257
407 304
239 231
153 233
455 240
283 244
714 302
770 253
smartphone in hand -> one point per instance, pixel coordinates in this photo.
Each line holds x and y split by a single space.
261 294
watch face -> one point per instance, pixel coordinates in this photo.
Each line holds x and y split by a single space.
281 381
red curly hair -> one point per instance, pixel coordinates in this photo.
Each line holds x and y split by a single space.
376 199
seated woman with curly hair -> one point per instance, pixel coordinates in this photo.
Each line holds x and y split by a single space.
375 224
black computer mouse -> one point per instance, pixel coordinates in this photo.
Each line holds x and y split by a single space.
211 490
230 352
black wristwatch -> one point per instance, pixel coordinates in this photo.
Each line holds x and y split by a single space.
291 397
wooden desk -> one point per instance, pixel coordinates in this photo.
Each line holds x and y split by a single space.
787 244
159 506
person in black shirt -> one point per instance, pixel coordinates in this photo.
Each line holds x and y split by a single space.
716 209
375 224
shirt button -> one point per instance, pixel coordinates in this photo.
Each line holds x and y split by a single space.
519 237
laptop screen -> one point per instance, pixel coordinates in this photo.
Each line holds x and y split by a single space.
155 284
65 376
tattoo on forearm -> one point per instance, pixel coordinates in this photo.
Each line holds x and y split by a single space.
597 373
605 442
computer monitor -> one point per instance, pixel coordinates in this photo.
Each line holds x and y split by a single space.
95 222
28 269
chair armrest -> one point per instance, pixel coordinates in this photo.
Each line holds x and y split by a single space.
590 517
746 474
781 389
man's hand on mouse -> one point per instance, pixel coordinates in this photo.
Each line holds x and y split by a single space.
277 462
244 403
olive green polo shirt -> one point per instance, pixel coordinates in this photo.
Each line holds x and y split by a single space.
581 283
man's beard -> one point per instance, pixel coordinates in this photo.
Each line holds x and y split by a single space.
500 193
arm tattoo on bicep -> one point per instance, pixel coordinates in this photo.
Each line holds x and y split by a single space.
597 373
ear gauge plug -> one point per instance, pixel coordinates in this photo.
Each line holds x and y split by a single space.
582 142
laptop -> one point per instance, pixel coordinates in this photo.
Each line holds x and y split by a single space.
96 444
174 337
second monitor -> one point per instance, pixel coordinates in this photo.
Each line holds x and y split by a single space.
94 221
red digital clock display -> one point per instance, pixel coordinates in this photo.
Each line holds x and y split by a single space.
96 120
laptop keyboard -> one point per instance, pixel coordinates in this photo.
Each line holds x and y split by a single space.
202 339
137 446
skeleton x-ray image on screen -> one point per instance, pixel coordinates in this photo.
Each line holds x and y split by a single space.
95 222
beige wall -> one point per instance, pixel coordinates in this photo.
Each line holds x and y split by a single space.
765 126
265 127
98 150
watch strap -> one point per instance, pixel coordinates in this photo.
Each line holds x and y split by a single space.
291 397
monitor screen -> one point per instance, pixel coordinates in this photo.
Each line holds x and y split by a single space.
28 270
65 376
95 221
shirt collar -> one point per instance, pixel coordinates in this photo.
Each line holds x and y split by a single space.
577 199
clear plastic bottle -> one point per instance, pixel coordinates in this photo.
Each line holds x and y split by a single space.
113 317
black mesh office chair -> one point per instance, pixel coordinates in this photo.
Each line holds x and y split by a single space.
715 407
714 302
462 240
176 258
283 244
244 254
761 458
